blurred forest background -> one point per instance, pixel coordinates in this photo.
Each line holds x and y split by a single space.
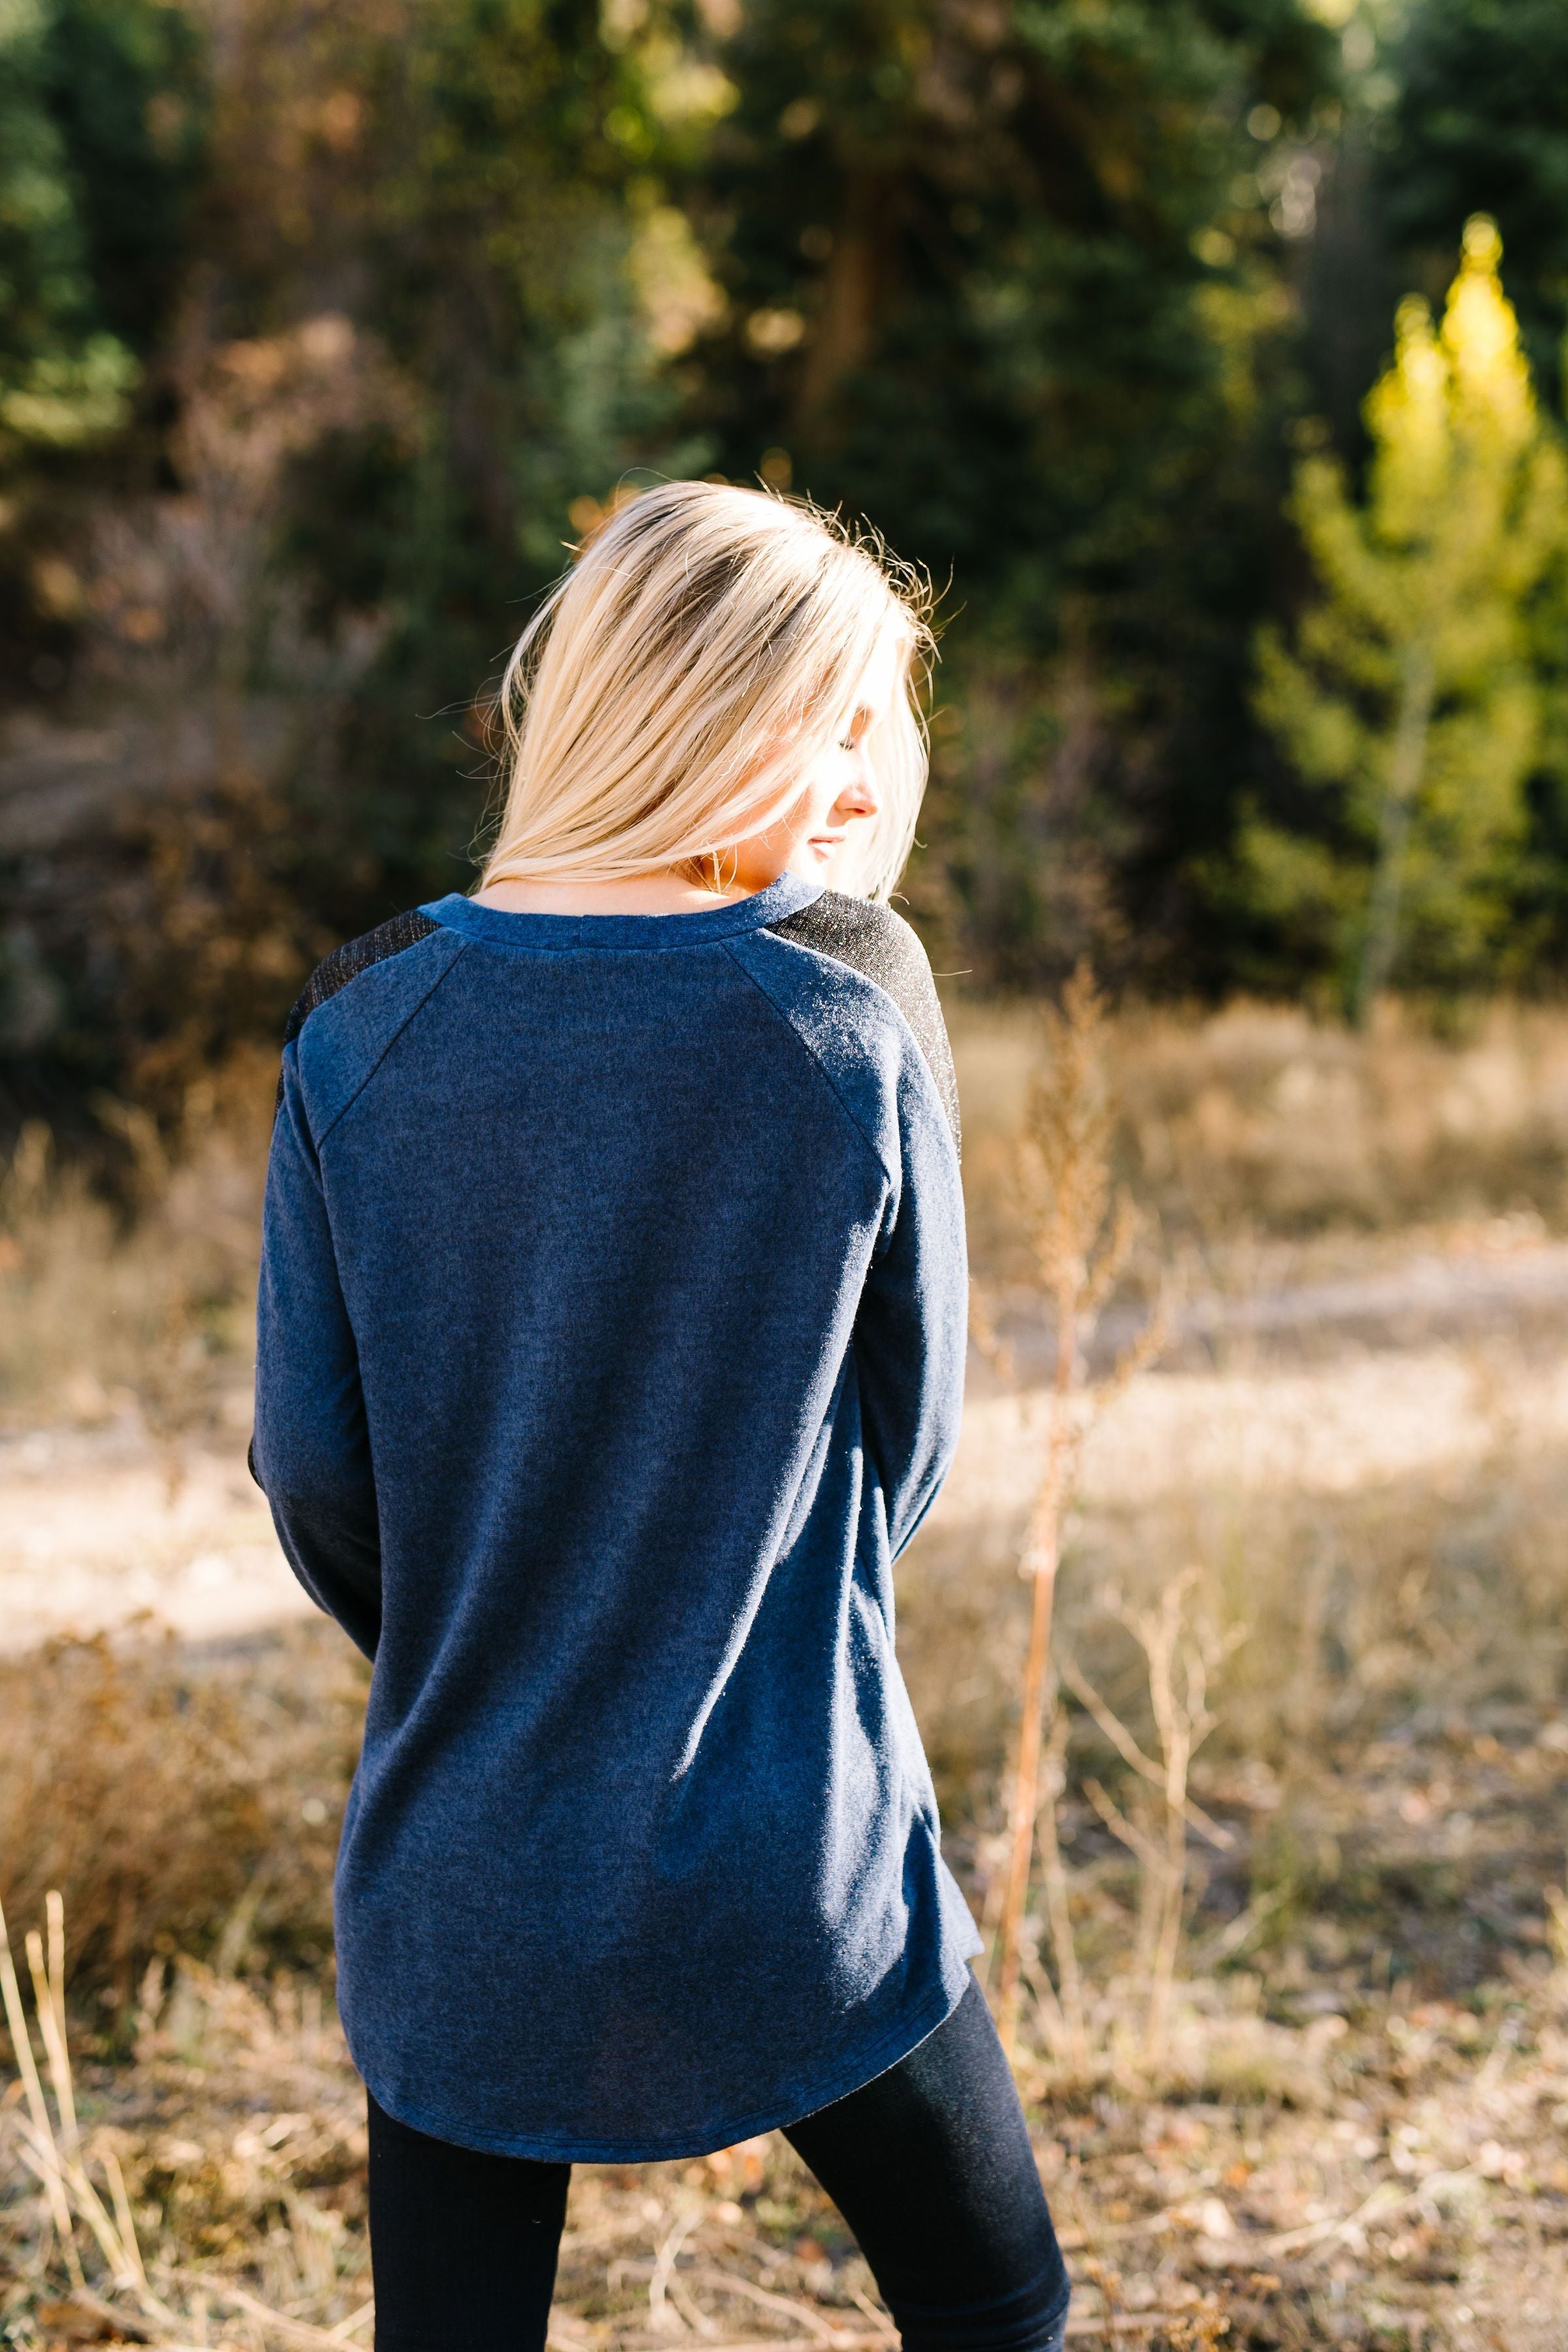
1210 356
325 330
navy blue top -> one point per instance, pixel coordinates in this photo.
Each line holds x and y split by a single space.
611 1343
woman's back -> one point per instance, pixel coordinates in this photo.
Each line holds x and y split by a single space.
611 1346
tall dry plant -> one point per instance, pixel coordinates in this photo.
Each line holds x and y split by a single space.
175 1383
1080 1231
1180 1651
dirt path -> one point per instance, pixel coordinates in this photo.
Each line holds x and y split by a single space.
90 1537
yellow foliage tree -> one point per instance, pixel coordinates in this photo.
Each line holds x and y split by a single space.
1409 693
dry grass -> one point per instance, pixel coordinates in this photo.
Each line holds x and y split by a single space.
134 1304
1355 2132
1260 1120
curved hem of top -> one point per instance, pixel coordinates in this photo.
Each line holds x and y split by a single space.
507 927
888 2052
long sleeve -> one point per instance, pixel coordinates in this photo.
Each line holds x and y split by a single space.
312 1452
894 1081
911 1332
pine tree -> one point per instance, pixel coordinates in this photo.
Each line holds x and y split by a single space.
63 379
1409 700
1482 125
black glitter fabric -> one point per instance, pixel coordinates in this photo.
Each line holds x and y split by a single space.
346 963
871 939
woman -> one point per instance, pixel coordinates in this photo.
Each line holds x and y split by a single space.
611 1345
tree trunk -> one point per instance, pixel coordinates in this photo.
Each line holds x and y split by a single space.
1406 773
852 296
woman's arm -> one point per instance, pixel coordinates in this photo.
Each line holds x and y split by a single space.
894 1080
912 1329
311 1452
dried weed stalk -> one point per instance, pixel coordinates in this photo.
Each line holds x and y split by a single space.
176 1384
1180 1653
1081 1233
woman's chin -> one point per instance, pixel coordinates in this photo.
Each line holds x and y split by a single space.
804 863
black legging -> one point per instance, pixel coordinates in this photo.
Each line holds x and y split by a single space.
930 2165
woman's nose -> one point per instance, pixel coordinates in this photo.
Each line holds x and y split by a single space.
860 798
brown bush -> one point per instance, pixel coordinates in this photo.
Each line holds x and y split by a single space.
178 1803
124 1784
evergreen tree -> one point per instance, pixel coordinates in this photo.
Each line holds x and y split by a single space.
63 377
1482 126
127 84
101 138
101 144
1410 699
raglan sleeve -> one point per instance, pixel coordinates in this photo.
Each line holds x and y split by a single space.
310 1454
911 1327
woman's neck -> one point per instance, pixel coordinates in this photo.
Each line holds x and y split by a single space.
664 893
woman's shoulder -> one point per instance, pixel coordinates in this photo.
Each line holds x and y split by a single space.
373 985
866 937
345 963
871 939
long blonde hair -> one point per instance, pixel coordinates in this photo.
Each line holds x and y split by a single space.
662 705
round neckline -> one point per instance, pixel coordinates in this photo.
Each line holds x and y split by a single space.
510 928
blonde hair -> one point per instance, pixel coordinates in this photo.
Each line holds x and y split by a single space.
663 704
